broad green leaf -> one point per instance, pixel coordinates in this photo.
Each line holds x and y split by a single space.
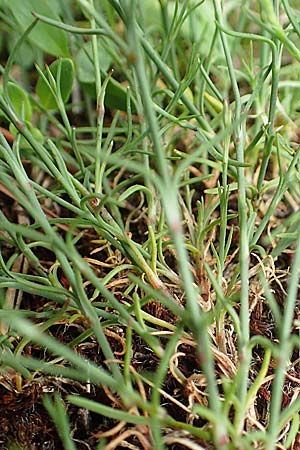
66 83
84 62
115 95
50 39
20 100
24 56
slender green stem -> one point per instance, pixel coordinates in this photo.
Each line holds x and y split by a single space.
284 351
244 354
197 323
99 106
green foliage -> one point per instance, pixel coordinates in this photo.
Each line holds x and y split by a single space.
115 94
57 411
19 100
36 134
196 27
159 223
58 76
84 62
47 38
